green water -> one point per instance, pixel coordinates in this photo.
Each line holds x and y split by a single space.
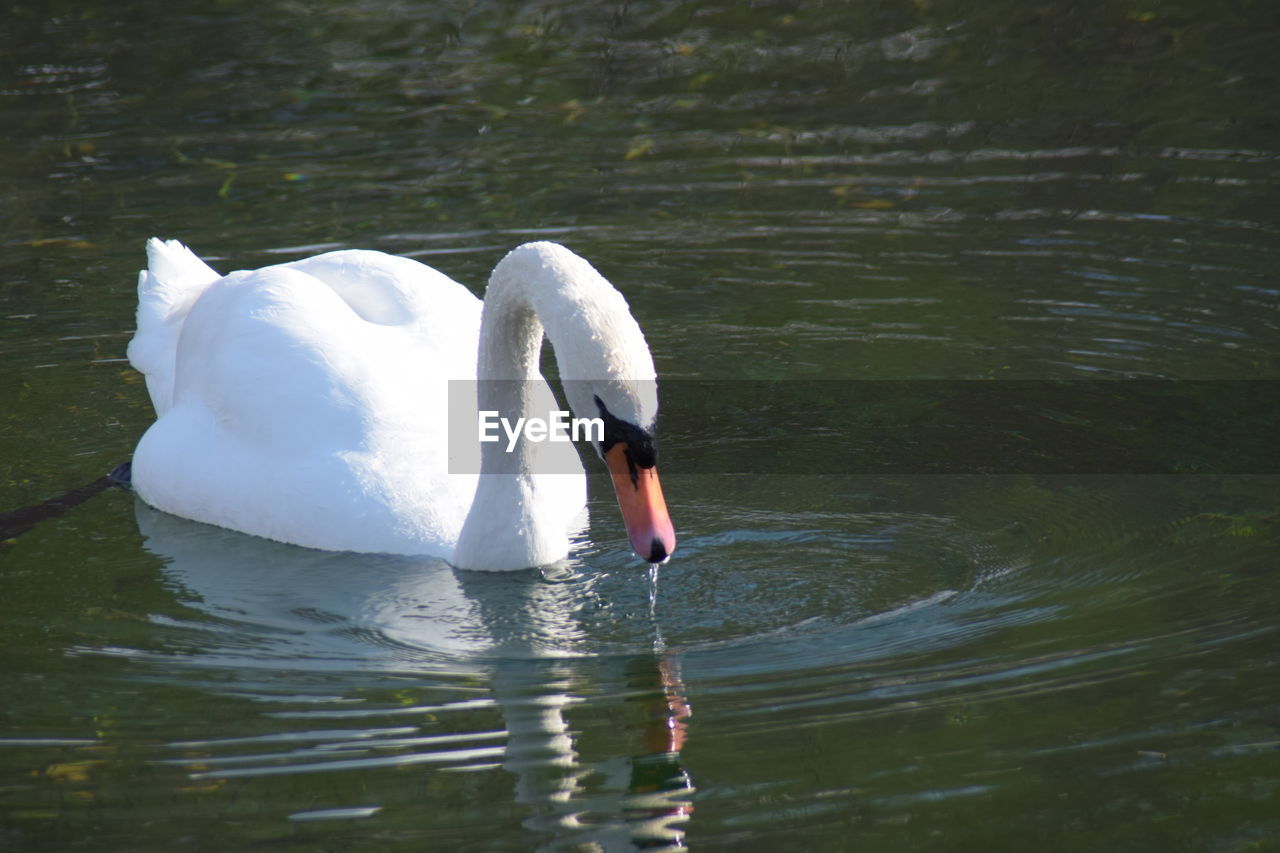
861 654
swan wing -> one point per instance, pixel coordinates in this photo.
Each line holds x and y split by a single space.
308 404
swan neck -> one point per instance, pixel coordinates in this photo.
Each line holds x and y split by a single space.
537 289
510 336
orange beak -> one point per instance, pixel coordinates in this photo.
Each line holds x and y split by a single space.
643 509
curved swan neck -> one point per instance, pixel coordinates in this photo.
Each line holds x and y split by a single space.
541 286
521 289
601 354
510 331
544 286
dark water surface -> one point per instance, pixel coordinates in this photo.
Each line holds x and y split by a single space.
980 654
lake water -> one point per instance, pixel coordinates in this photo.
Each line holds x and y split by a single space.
967 322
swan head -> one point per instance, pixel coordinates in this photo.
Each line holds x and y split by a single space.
630 452
610 376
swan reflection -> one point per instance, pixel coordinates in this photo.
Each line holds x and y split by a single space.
515 643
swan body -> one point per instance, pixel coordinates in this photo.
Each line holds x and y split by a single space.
310 402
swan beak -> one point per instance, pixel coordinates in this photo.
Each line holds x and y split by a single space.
643 509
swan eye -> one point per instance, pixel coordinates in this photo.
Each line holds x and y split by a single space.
642 446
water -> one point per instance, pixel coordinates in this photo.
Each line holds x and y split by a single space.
861 655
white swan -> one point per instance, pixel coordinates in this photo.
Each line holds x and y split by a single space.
310 403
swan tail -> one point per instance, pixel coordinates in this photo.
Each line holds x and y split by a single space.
167 288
